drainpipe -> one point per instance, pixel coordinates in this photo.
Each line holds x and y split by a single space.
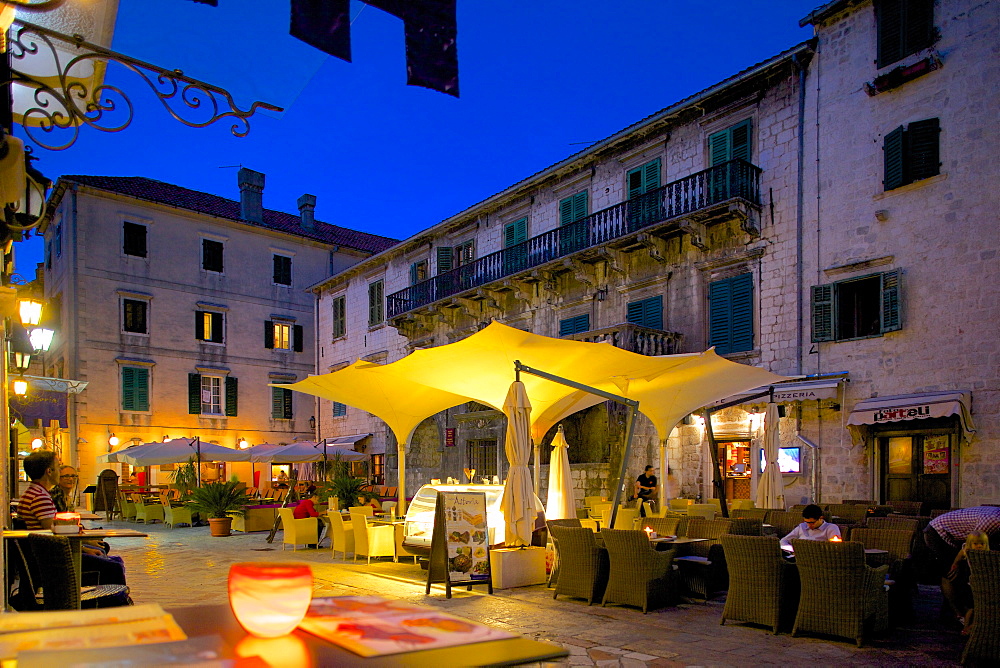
799 222
814 475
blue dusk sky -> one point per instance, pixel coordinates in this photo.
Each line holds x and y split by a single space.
539 81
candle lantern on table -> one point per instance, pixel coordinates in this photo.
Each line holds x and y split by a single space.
66 523
269 599
836 539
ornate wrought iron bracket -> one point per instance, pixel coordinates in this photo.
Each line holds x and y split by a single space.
63 103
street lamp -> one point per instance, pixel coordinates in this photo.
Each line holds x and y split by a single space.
30 310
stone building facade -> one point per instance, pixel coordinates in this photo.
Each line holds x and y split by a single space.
179 308
824 214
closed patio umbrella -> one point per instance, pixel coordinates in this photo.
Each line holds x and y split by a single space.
518 501
560 504
769 492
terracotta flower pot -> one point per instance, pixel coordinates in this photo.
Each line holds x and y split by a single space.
221 526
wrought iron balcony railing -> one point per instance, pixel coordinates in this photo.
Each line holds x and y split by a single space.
634 338
733 179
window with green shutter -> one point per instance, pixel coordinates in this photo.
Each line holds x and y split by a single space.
911 154
376 303
212 255
445 255
646 312
730 314
339 324
465 253
515 233
903 27
339 409
282 269
281 403
135 388
856 308
134 320
232 397
572 216
733 143
418 272
642 181
575 325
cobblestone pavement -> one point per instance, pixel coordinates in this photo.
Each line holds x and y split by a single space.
185 566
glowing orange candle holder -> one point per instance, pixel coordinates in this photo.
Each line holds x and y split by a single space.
66 523
650 534
836 539
269 599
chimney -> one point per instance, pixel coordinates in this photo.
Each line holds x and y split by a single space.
251 195
307 209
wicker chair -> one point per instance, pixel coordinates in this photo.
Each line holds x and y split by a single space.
342 534
60 580
893 523
127 506
638 575
783 522
941 511
666 526
705 511
680 505
853 514
840 594
749 513
906 507
746 526
583 568
569 522
762 583
899 548
147 512
703 569
983 647
861 502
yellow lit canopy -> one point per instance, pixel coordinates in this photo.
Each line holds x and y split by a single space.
481 368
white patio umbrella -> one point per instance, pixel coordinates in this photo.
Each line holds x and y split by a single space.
769 491
560 504
304 451
179 451
518 501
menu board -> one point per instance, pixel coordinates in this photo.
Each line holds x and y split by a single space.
460 549
936 454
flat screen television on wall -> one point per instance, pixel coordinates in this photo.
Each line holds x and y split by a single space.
789 460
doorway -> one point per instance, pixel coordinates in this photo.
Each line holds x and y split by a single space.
916 466
734 462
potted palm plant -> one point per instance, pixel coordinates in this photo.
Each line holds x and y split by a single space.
219 502
185 477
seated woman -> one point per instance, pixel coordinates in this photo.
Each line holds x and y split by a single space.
370 500
955 585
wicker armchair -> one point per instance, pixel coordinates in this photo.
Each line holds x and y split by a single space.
840 594
893 523
746 526
666 526
846 513
749 513
762 584
983 647
583 568
703 569
638 573
783 522
899 559
906 507
60 580
569 522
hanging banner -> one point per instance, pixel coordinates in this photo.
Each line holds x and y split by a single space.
43 405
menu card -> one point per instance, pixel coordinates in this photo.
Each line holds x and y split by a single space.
374 626
104 627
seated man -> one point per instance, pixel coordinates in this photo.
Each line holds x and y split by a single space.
813 527
37 510
307 508
645 488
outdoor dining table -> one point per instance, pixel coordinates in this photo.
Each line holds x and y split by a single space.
218 620
76 539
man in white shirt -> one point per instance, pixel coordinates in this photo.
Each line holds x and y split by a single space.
813 527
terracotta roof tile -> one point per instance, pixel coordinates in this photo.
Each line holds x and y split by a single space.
151 190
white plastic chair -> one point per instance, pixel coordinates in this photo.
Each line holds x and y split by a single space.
342 534
297 532
372 540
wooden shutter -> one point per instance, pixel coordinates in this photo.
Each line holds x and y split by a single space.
634 182
918 25
739 141
895 160
515 233
889 21
141 392
718 148
217 334
634 313
922 149
277 403
128 389
211 255
580 206
232 396
891 320
413 274
375 310
573 208
445 259
822 312
741 294
268 334
575 325
647 312
297 338
339 409
339 322
194 393
287 401
651 176
134 242
199 325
